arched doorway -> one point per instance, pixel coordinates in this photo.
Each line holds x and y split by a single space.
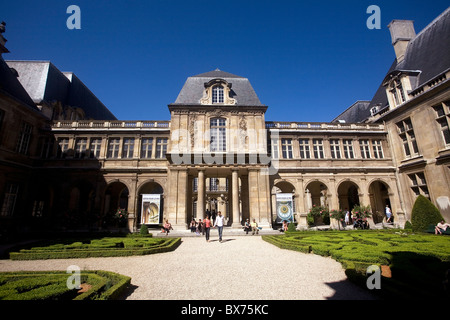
348 195
316 194
151 204
379 199
116 197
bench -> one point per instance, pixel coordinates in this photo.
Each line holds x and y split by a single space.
431 229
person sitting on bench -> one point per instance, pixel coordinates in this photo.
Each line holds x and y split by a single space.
441 227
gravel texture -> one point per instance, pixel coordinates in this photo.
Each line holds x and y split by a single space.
239 268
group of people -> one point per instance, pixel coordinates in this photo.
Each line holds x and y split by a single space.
251 226
204 226
356 220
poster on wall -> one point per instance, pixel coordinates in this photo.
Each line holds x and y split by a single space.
151 208
285 209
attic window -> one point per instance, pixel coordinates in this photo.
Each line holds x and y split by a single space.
217 94
396 89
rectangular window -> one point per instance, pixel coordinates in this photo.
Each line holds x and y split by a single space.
335 149
318 148
377 149
274 148
80 148
419 184
217 94
406 134
348 149
24 138
305 152
365 149
46 147
63 147
443 119
96 146
218 138
286 148
9 199
161 148
113 148
128 148
213 184
195 184
146 148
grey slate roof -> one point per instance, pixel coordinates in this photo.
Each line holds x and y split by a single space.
194 88
428 52
10 85
357 112
44 82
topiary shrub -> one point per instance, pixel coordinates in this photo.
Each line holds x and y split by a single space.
144 230
423 214
408 225
291 227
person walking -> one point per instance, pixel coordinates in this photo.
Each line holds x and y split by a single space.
219 224
388 214
207 224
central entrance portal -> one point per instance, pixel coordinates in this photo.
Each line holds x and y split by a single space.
212 190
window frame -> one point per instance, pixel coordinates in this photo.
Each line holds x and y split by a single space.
146 148
287 149
128 144
218 135
113 148
406 133
161 148
349 152
304 148
443 121
318 149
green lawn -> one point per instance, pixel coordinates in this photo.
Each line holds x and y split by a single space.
417 262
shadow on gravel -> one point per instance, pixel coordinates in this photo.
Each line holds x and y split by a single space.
129 291
345 290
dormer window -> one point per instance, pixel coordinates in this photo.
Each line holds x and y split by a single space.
218 91
396 89
217 94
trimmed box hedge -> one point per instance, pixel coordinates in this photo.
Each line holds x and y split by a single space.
52 285
418 262
105 247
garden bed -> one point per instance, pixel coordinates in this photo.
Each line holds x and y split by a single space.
104 247
414 265
52 285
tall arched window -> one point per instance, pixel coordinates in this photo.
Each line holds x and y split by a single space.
217 94
218 135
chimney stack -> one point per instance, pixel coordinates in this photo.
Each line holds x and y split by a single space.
402 32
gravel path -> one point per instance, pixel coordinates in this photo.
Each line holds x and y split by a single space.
240 268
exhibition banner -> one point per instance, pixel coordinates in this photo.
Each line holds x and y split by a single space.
284 207
151 208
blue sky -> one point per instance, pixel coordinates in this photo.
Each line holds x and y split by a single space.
307 60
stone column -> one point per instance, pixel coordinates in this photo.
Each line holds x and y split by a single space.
235 198
201 194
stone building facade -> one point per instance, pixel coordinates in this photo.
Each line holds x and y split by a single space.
67 162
